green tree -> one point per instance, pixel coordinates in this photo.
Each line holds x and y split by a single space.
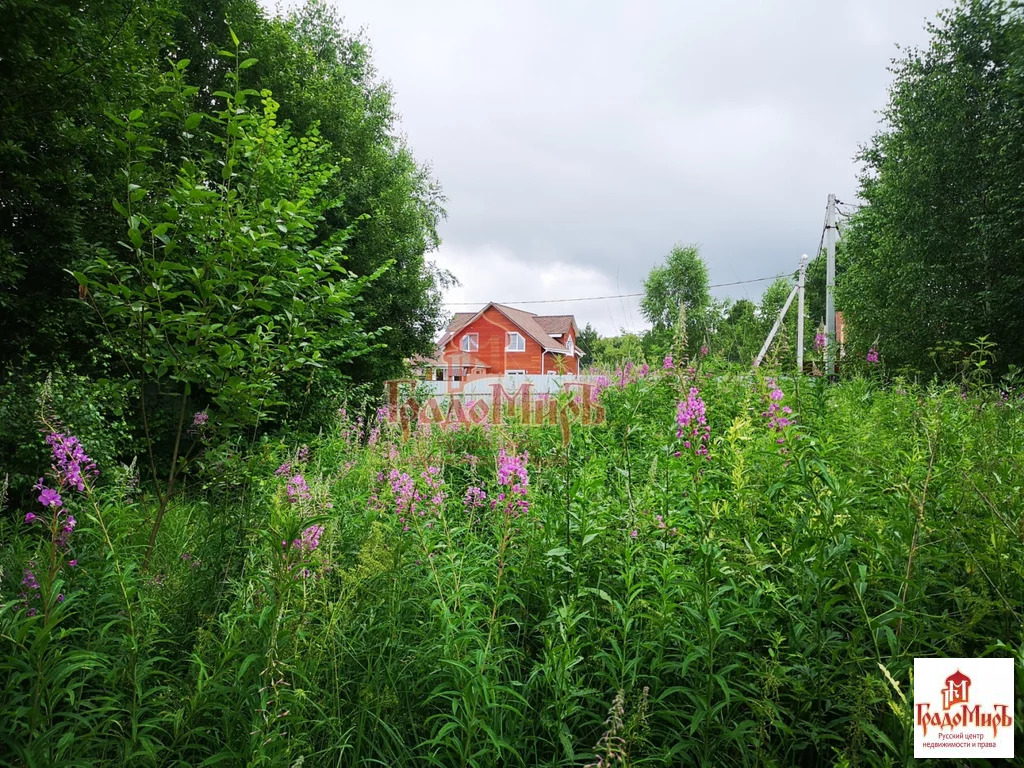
613 351
221 291
62 65
937 255
681 283
738 338
587 341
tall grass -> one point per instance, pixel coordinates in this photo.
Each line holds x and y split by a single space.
761 606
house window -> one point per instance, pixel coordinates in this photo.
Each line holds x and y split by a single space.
515 372
568 344
439 374
516 342
470 342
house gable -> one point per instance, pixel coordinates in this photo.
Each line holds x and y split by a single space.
543 349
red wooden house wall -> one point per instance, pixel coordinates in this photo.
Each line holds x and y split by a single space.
491 329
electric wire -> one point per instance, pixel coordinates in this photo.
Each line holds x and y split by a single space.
598 298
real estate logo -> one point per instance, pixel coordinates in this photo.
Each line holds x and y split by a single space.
963 708
579 405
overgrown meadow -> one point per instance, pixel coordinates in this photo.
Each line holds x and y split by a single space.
731 570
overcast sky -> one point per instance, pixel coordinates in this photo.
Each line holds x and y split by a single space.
577 142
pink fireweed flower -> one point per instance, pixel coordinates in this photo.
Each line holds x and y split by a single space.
49 498
404 489
775 408
29 581
30 591
512 467
634 533
704 351
512 474
692 423
200 419
625 375
31 517
475 497
819 341
65 531
667 364
310 539
297 489
71 464
872 356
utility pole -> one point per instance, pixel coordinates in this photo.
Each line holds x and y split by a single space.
800 317
775 328
831 343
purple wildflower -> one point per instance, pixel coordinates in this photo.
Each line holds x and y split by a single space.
775 420
310 539
475 497
667 364
297 489
66 529
820 341
71 463
31 517
200 419
872 356
692 423
30 591
50 498
512 473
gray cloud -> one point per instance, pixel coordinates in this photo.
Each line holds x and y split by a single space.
580 141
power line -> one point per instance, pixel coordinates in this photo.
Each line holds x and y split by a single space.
598 298
821 240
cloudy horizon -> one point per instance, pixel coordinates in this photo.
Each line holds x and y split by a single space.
577 144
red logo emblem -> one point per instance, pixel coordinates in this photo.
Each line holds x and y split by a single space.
956 690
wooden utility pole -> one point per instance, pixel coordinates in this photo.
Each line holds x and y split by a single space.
800 317
831 343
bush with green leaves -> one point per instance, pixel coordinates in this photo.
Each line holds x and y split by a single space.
218 294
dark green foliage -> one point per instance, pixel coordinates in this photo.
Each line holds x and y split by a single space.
739 336
62 65
936 257
66 70
587 341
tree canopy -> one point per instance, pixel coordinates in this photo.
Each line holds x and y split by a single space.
936 257
678 285
64 69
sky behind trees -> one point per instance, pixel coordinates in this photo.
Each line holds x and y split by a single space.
576 143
